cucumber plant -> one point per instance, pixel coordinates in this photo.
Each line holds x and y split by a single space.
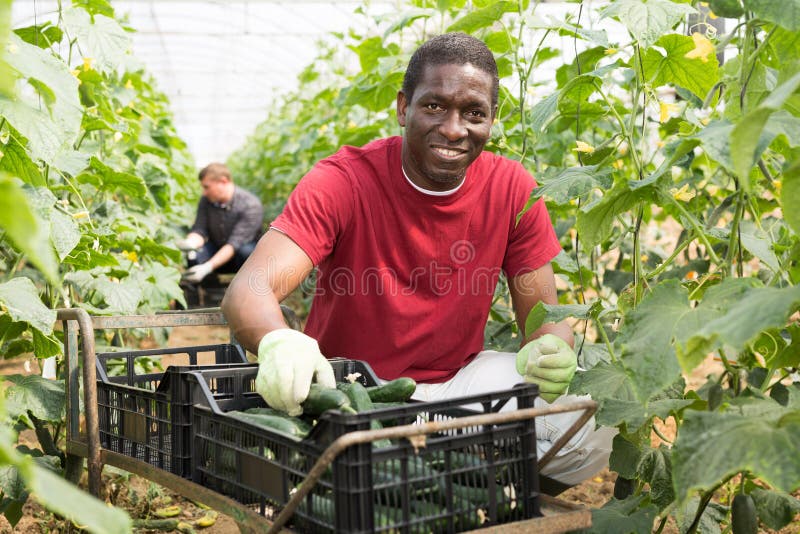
668 158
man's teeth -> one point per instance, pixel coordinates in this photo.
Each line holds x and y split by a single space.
448 153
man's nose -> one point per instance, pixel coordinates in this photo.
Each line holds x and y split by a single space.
453 127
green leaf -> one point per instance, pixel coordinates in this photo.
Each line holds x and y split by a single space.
24 228
573 183
20 298
107 179
784 13
99 37
61 497
606 380
543 111
759 243
624 457
369 51
16 162
11 484
647 337
647 20
635 414
121 297
675 68
45 346
43 35
765 432
42 397
52 75
655 468
64 233
42 133
623 517
790 192
481 18
747 141
731 9
734 314
775 509
715 139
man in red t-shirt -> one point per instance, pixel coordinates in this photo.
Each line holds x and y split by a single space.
409 235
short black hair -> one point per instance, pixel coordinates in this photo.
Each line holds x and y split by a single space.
450 49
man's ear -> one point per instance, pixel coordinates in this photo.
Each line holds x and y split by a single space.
402 106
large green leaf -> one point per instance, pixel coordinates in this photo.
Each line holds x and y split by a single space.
106 178
747 141
595 220
100 38
784 13
647 338
43 134
790 192
20 299
759 243
24 228
573 183
647 20
481 18
761 438
16 162
61 497
625 457
44 398
34 63
634 414
775 509
734 314
630 516
604 381
694 74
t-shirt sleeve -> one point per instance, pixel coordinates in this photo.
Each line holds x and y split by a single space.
248 226
532 242
200 225
318 210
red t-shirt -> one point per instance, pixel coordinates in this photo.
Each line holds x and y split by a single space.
405 280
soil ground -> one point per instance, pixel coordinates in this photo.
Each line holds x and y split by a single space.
141 497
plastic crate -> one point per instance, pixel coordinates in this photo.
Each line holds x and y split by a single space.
460 480
147 416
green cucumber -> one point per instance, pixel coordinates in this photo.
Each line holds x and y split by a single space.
282 423
479 497
743 515
398 390
360 401
323 509
321 399
422 479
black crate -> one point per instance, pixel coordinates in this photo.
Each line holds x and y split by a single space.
147 416
460 480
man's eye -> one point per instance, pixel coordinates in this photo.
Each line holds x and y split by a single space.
433 106
476 113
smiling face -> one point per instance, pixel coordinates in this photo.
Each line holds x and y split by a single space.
447 123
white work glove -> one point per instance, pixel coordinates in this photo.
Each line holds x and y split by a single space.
288 360
550 362
185 245
196 274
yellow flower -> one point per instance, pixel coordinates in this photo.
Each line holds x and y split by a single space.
618 164
322 129
583 147
352 125
702 48
665 109
712 15
128 85
610 51
778 184
704 121
660 144
644 258
117 137
1 154
683 194
131 255
691 275
87 63
623 149
80 215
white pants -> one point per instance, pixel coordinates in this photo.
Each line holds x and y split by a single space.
583 456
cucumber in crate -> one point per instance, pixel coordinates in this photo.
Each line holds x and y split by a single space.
460 479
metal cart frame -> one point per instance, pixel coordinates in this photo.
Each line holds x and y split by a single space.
79 353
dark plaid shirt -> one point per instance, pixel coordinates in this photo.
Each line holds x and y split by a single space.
236 223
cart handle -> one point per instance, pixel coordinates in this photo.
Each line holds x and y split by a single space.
415 430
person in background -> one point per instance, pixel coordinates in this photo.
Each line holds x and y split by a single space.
228 224
410 235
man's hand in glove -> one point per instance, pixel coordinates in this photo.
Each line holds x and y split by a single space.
288 360
196 274
549 362
185 245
